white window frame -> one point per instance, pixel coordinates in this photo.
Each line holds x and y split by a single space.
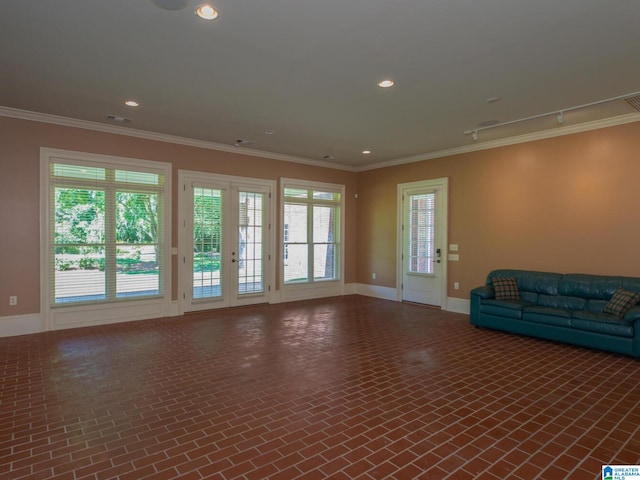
310 288
69 315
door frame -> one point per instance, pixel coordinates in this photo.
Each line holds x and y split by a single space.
441 185
184 209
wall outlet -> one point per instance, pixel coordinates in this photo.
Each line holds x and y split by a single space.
373 276
13 300
456 286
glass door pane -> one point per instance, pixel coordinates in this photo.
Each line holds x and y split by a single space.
250 246
207 243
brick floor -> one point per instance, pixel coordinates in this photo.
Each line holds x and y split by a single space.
342 388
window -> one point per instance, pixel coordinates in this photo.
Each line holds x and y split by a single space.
106 231
421 232
311 233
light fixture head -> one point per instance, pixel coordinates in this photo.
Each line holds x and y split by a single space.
131 103
386 83
366 152
474 135
560 118
207 12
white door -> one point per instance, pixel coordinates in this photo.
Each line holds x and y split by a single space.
225 243
423 253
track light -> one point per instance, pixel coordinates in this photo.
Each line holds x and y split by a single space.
559 114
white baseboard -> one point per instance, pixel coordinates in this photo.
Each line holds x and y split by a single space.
12 326
20 325
458 305
386 293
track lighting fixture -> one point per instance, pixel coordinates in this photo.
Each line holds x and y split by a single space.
559 114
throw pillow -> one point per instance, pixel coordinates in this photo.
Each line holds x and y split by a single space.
505 288
621 302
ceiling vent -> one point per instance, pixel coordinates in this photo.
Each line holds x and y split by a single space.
634 102
119 119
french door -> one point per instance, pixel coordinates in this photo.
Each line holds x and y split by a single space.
225 254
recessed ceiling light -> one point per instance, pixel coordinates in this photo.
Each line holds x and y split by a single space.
207 12
493 99
269 131
131 103
366 152
386 83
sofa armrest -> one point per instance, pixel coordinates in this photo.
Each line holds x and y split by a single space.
484 292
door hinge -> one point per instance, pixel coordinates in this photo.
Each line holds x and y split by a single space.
184 260
184 296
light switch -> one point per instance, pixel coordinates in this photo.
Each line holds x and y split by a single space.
453 247
453 257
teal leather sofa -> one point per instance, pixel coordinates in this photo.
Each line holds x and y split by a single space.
561 307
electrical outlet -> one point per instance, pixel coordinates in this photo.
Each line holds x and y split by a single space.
373 276
456 286
13 300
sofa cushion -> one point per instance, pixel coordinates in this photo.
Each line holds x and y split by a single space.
594 305
505 288
530 281
547 315
503 308
621 302
588 286
601 323
562 301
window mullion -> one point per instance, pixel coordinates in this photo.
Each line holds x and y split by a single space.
110 236
310 245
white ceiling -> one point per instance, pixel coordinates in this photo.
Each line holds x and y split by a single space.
308 69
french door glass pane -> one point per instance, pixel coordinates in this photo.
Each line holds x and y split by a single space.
207 243
250 243
421 233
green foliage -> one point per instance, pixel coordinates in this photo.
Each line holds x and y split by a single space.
207 217
206 262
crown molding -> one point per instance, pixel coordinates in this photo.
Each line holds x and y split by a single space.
161 137
529 137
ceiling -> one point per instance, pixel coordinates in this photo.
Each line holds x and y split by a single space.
308 70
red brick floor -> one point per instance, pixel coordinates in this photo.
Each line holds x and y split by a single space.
343 388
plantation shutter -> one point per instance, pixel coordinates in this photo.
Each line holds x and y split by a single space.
106 233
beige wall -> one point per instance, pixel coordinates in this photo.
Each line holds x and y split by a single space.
567 204
20 143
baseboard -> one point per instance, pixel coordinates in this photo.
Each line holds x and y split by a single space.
14 325
386 293
20 325
458 305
